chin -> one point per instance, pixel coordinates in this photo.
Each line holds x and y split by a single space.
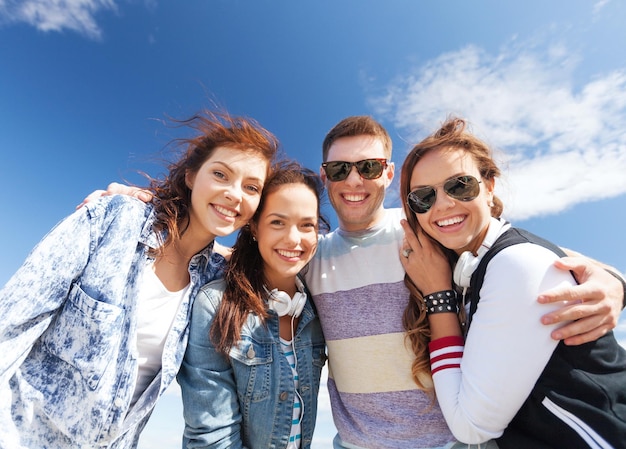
224 232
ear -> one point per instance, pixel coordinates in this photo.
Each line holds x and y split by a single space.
490 185
190 178
389 173
323 174
253 229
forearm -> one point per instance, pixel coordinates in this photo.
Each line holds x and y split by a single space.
505 352
442 312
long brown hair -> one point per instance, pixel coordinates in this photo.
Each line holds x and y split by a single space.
171 195
245 279
452 135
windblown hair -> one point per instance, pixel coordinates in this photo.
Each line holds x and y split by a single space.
171 195
245 280
452 135
359 125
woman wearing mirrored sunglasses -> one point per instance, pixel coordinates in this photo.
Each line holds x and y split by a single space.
497 373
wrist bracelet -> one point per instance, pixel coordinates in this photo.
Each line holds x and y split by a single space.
621 279
440 302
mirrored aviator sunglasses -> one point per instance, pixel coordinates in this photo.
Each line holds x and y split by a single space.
367 168
462 188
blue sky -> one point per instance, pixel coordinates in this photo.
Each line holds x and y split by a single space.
86 84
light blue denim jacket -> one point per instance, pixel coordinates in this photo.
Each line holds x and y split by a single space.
246 399
68 358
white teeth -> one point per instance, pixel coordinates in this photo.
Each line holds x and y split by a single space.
450 221
224 211
354 198
288 254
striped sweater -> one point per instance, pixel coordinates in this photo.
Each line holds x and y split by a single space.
357 284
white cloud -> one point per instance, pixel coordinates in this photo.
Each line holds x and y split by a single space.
57 15
563 144
598 6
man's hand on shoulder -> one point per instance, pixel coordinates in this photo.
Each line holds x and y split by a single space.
593 307
118 189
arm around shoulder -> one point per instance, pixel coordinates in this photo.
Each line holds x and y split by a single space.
593 307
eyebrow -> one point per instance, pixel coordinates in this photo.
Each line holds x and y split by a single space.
279 215
442 182
249 178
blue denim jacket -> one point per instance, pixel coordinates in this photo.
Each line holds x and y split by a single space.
246 399
68 358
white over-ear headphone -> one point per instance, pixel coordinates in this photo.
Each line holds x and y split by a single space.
283 304
467 263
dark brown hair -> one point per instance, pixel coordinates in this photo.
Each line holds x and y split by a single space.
245 279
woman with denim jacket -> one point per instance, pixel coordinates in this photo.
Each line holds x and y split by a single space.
95 323
251 373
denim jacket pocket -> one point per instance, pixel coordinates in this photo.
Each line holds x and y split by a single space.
253 368
85 334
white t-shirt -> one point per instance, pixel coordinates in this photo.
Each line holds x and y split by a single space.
157 307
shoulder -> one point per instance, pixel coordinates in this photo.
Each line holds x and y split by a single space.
523 254
209 297
518 246
394 213
392 221
117 205
514 236
526 262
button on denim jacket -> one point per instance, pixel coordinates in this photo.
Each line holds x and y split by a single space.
246 399
68 358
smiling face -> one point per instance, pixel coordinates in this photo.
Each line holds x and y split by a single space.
286 233
457 225
358 202
225 192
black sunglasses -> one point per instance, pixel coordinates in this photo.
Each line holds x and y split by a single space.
367 168
462 188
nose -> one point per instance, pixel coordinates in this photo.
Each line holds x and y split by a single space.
443 200
293 235
354 177
234 192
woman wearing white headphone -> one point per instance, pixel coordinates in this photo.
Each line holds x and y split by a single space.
502 376
251 373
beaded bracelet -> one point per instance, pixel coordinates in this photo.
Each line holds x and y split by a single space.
440 302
